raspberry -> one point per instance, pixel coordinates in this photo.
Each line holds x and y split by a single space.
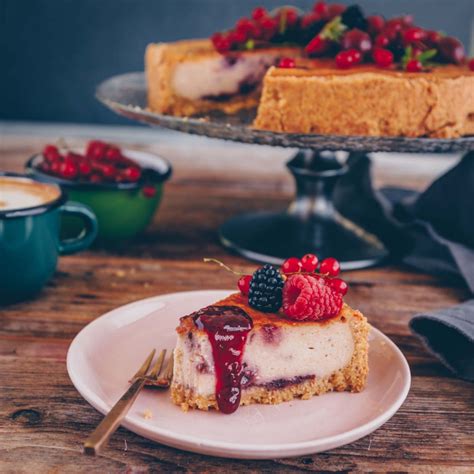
265 289
309 297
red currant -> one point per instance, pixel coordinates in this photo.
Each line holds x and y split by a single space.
51 153
68 169
85 168
108 171
287 63
55 167
335 9
347 59
356 39
113 153
237 37
132 173
339 285
414 66
451 50
413 35
395 24
269 27
433 38
244 284
382 41
330 266
221 42
383 57
321 8
471 64
149 191
309 19
92 145
259 13
375 24
317 46
309 263
291 265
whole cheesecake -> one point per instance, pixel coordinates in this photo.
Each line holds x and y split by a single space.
424 89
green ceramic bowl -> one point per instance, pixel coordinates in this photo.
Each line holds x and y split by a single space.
122 210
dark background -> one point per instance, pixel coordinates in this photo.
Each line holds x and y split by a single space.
54 52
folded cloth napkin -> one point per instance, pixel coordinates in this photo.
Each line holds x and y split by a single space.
432 231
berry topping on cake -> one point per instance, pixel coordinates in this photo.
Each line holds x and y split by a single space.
331 29
309 298
383 57
471 64
265 289
287 63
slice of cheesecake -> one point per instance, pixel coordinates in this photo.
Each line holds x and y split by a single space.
230 354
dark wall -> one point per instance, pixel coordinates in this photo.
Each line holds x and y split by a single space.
56 51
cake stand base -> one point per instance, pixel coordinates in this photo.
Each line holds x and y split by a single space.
310 225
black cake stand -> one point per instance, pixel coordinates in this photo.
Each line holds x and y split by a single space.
311 223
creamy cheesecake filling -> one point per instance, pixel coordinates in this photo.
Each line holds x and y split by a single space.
221 78
272 356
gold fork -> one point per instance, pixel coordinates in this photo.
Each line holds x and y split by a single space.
111 422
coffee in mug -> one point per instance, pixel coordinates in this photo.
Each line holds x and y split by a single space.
29 234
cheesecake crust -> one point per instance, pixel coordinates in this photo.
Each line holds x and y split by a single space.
350 378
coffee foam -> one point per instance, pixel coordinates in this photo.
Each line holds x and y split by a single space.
21 193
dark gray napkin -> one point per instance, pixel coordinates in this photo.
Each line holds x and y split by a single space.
432 231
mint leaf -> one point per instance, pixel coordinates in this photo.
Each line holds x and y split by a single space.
282 27
250 44
426 55
407 56
333 30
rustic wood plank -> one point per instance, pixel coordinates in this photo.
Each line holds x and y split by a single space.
44 419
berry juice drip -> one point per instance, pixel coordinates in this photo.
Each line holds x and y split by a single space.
227 328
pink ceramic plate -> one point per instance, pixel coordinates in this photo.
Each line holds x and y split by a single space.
109 350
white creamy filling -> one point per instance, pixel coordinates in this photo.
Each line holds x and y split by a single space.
213 77
302 351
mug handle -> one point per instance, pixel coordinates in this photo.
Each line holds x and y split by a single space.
89 233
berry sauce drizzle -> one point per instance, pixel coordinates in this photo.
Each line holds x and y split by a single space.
227 328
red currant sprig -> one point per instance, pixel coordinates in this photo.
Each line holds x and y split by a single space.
329 268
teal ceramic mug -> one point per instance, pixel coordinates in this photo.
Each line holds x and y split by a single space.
30 214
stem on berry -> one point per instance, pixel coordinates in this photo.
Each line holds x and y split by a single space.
62 144
223 265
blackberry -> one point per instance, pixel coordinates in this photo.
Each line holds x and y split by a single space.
265 293
353 17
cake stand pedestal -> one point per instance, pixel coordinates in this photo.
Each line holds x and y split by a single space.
311 223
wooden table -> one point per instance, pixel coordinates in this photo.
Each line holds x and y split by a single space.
44 420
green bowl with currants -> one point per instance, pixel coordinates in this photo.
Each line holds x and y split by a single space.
123 187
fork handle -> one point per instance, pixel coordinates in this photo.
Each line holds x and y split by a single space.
111 422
